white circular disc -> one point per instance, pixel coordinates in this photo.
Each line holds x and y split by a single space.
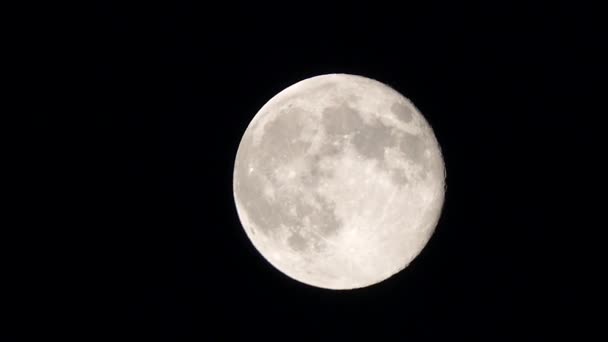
339 181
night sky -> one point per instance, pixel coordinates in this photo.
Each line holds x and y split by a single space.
504 86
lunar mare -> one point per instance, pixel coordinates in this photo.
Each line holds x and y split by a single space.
339 181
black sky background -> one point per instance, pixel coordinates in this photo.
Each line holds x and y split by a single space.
503 84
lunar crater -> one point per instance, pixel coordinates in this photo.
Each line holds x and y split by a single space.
402 111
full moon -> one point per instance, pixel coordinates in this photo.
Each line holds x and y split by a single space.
339 181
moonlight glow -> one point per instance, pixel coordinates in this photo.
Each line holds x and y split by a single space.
339 181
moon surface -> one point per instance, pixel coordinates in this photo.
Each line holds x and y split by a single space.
339 181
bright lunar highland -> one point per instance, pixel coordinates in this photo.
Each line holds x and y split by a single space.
339 181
